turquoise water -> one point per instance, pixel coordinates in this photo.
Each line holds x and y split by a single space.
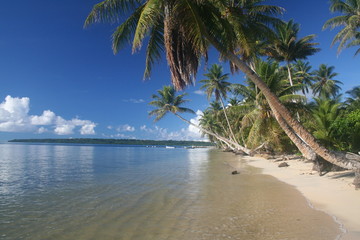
112 192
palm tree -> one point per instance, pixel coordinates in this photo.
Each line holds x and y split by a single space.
258 120
353 102
287 47
303 75
325 112
324 84
185 29
349 19
216 84
167 102
234 102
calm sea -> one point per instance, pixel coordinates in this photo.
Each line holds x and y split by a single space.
106 192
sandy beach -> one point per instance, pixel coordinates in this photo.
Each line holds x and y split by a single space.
332 193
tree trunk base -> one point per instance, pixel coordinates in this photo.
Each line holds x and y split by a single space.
357 179
323 167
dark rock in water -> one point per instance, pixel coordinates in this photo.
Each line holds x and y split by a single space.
283 164
235 172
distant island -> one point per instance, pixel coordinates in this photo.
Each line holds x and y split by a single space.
116 141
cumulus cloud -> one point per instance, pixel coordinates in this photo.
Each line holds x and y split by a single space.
14 117
125 128
47 118
199 92
190 133
192 130
133 100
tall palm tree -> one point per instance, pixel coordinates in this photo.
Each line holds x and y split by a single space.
185 29
216 84
167 102
324 84
349 20
288 47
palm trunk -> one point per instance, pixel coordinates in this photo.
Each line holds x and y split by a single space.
226 141
227 120
340 160
306 151
276 105
289 73
291 84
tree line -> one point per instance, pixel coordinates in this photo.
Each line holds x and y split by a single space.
252 38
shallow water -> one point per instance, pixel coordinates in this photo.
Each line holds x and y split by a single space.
111 192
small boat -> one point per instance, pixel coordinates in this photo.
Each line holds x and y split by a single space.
169 147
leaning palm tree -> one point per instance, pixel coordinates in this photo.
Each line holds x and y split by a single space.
216 85
185 29
167 102
349 20
324 84
288 47
258 120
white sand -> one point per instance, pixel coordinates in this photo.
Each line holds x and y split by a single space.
333 193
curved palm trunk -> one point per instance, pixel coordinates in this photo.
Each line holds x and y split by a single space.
226 141
227 120
306 151
291 84
340 160
276 105
289 73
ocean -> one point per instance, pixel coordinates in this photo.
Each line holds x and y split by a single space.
69 191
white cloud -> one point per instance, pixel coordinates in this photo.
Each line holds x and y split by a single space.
14 117
192 130
125 128
42 130
133 100
47 118
199 92
191 133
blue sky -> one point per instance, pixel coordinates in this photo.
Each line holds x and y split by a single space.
60 80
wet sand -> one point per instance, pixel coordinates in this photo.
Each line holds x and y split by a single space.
333 193
277 210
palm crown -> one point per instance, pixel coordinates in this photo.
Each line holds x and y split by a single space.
216 82
166 101
349 19
324 84
183 29
287 46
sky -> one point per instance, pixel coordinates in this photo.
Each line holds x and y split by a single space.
59 80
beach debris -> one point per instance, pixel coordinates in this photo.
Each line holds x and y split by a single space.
283 164
235 172
357 179
264 155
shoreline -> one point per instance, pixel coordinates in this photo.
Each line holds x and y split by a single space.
332 193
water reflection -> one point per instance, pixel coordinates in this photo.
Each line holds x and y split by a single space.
36 167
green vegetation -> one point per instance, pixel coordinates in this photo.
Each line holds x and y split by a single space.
253 39
116 141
